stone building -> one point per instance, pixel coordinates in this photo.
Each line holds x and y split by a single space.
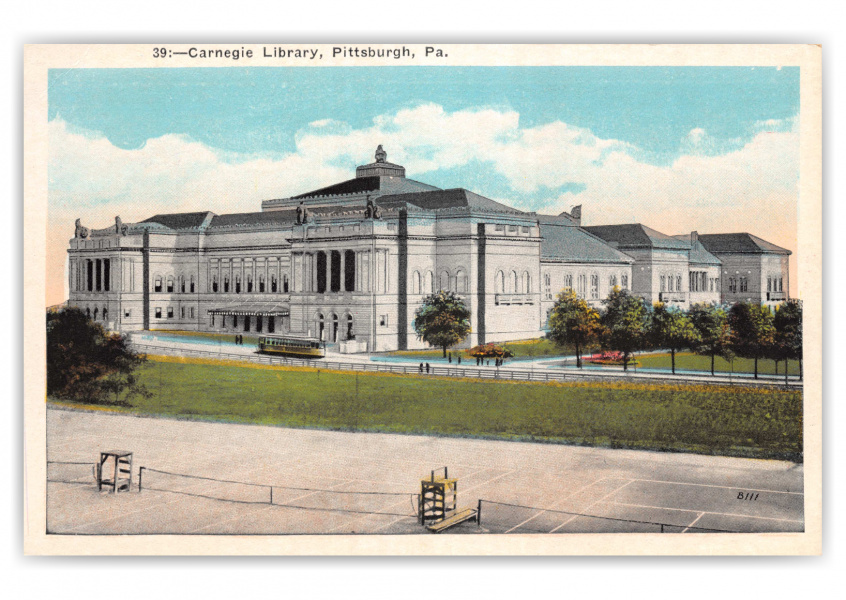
350 263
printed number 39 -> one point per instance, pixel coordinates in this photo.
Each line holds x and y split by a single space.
159 52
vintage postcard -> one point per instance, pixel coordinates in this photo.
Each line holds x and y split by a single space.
422 299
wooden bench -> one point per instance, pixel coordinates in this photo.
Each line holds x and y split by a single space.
467 514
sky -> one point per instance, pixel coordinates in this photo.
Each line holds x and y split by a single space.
678 149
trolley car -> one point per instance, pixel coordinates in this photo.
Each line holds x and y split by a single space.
291 345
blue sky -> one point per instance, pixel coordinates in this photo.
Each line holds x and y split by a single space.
260 110
678 149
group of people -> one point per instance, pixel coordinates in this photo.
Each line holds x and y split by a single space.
239 339
480 362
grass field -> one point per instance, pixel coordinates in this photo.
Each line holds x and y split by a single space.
703 419
537 348
693 362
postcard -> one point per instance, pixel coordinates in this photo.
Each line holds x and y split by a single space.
381 299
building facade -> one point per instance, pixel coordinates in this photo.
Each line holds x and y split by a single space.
350 263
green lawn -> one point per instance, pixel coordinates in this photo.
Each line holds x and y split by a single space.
522 349
711 420
694 362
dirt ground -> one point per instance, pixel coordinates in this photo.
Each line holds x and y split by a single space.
326 482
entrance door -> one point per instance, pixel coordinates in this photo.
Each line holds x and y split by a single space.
247 323
271 324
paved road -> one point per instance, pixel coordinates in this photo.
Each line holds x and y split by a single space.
317 477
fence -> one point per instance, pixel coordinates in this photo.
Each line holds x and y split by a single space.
500 373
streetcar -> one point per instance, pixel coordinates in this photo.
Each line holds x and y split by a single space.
291 345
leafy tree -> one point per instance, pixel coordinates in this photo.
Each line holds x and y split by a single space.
788 333
625 323
752 331
84 363
442 321
671 328
573 321
711 322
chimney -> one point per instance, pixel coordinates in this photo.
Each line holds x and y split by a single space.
694 237
576 213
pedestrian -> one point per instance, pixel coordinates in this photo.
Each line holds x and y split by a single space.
459 360
489 362
450 357
427 367
421 367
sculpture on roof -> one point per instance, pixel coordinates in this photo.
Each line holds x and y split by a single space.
81 232
120 228
372 211
381 155
302 213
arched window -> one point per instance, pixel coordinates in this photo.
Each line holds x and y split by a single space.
285 284
350 333
249 283
429 284
582 286
415 282
499 282
95 313
594 286
182 283
334 332
612 281
624 282
237 283
273 283
214 283
105 314
88 312
527 283
444 280
678 283
513 283
460 282
226 283
547 286
157 286
170 284
261 284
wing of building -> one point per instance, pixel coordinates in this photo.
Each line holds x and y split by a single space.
351 262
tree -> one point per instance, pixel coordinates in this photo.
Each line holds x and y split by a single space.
442 321
84 363
625 323
788 333
573 321
671 328
711 322
752 331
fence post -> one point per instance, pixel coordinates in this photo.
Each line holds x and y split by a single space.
479 513
140 474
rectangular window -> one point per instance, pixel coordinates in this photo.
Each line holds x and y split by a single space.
512 229
624 282
780 284
594 287
392 226
192 312
170 285
127 313
181 312
525 229
383 321
582 286
158 312
499 227
169 312
663 283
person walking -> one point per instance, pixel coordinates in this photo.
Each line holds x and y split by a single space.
421 367
450 357
427 367
459 360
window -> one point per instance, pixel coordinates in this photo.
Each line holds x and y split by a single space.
285 283
527 283
663 283
525 229
678 283
499 227
624 282
460 282
158 312
568 281
513 283
192 284
169 312
429 284
105 314
383 321
273 283
744 284
249 283
732 285
158 284
512 229
237 284
415 282
127 313
170 285
392 226
214 283
547 286
781 284
444 283
612 281
226 283
594 287
182 283
499 283
261 284
582 291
